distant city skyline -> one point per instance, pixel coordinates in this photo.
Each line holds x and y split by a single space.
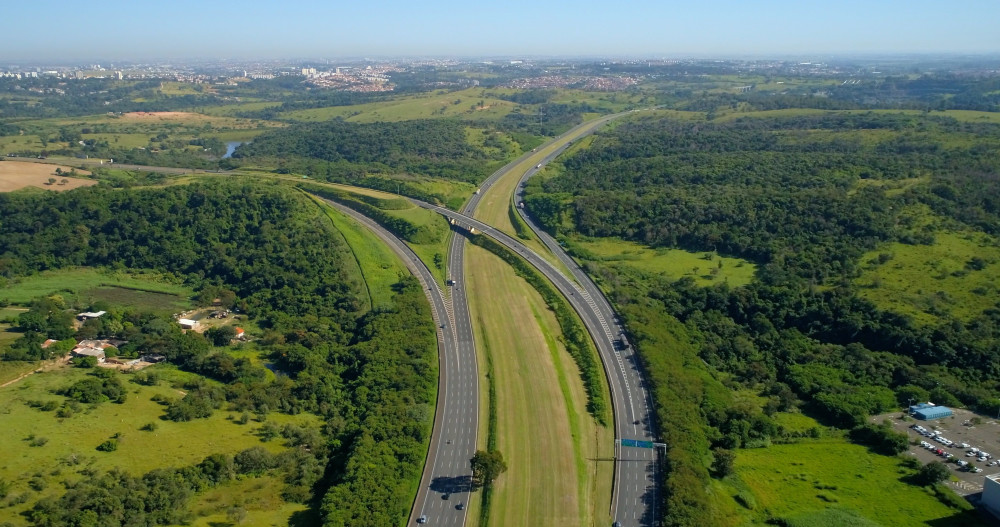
58 30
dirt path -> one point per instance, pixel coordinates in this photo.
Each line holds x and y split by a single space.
46 366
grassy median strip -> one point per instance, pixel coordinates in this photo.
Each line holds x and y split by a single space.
539 399
575 336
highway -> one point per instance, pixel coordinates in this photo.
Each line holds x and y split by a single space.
447 476
635 479
634 497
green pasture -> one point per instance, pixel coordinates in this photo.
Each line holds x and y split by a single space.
70 442
141 289
801 481
463 104
705 268
10 370
17 143
928 281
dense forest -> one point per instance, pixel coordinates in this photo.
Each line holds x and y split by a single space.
804 197
369 375
426 147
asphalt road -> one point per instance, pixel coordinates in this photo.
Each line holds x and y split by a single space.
447 476
634 496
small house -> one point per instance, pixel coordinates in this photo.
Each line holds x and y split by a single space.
240 334
187 323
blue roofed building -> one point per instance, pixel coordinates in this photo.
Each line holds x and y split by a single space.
926 413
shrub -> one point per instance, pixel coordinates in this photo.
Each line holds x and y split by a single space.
108 446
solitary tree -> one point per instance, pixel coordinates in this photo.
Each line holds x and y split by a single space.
486 467
52 180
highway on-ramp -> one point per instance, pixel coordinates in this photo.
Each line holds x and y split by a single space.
447 477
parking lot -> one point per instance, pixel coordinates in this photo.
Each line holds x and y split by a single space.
979 432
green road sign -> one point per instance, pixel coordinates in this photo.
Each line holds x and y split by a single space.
636 443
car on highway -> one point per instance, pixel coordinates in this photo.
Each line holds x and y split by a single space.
450 281
460 506
422 518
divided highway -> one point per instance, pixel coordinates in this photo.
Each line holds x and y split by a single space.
447 477
634 495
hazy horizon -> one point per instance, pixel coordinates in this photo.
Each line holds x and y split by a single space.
56 30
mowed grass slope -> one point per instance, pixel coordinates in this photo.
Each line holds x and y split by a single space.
556 453
378 266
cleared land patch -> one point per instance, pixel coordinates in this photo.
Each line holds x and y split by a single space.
802 480
16 175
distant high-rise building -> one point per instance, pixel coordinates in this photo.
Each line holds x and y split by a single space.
118 75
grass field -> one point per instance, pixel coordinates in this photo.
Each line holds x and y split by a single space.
148 290
925 281
377 265
258 498
10 370
440 104
554 449
803 481
705 268
171 444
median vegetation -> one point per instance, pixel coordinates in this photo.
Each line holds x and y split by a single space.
575 337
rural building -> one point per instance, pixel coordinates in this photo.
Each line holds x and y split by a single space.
86 351
88 316
240 334
187 323
991 494
931 412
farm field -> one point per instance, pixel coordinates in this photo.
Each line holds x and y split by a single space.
704 268
817 481
541 406
68 445
16 175
959 274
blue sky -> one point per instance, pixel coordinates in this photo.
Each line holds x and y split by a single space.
136 29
